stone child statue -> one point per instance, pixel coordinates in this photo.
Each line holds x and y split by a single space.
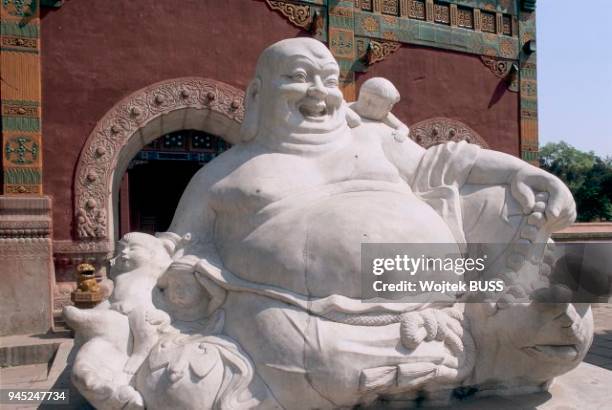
276 225
131 319
141 260
377 96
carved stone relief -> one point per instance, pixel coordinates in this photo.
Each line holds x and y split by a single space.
504 69
501 68
298 15
379 50
439 130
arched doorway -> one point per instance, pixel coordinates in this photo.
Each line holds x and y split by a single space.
189 103
157 176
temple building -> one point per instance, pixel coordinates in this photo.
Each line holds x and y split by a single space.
109 108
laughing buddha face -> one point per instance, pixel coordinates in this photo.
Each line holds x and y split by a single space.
296 92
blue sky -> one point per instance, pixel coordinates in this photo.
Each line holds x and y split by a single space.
574 41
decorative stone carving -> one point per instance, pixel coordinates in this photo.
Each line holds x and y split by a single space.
265 245
487 21
390 7
21 150
416 9
504 69
370 24
22 218
81 247
298 14
501 68
440 130
99 157
465 18
442 13
379 50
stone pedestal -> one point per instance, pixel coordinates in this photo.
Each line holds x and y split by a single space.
585 387
26 266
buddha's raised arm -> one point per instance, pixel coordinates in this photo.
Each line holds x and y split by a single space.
525 181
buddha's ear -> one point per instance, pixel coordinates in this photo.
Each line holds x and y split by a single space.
252 102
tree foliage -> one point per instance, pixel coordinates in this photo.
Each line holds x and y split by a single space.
587 175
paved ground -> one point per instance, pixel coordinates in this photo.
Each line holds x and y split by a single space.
601 350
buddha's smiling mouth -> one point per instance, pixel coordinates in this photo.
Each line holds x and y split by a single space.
313 111
553 352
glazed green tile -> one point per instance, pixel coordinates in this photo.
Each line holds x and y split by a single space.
20 124
9 28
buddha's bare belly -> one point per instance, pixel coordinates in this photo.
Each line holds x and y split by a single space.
312 244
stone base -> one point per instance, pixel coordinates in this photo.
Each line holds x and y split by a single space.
41 362
585 387
26 265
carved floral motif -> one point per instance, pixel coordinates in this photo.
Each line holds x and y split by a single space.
379 50
369 24
298 15
439 130
99 157
507 48
501 68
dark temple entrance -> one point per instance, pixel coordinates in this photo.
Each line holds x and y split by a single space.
157 176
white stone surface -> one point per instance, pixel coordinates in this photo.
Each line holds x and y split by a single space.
260 304
585 387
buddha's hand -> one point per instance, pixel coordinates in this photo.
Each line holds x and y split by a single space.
543 197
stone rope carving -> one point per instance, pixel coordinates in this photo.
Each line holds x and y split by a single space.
98 159
439 130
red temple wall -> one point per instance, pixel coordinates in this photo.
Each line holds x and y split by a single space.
94 54
439 83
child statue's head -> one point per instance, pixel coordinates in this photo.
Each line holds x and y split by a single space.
377 96
137 250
